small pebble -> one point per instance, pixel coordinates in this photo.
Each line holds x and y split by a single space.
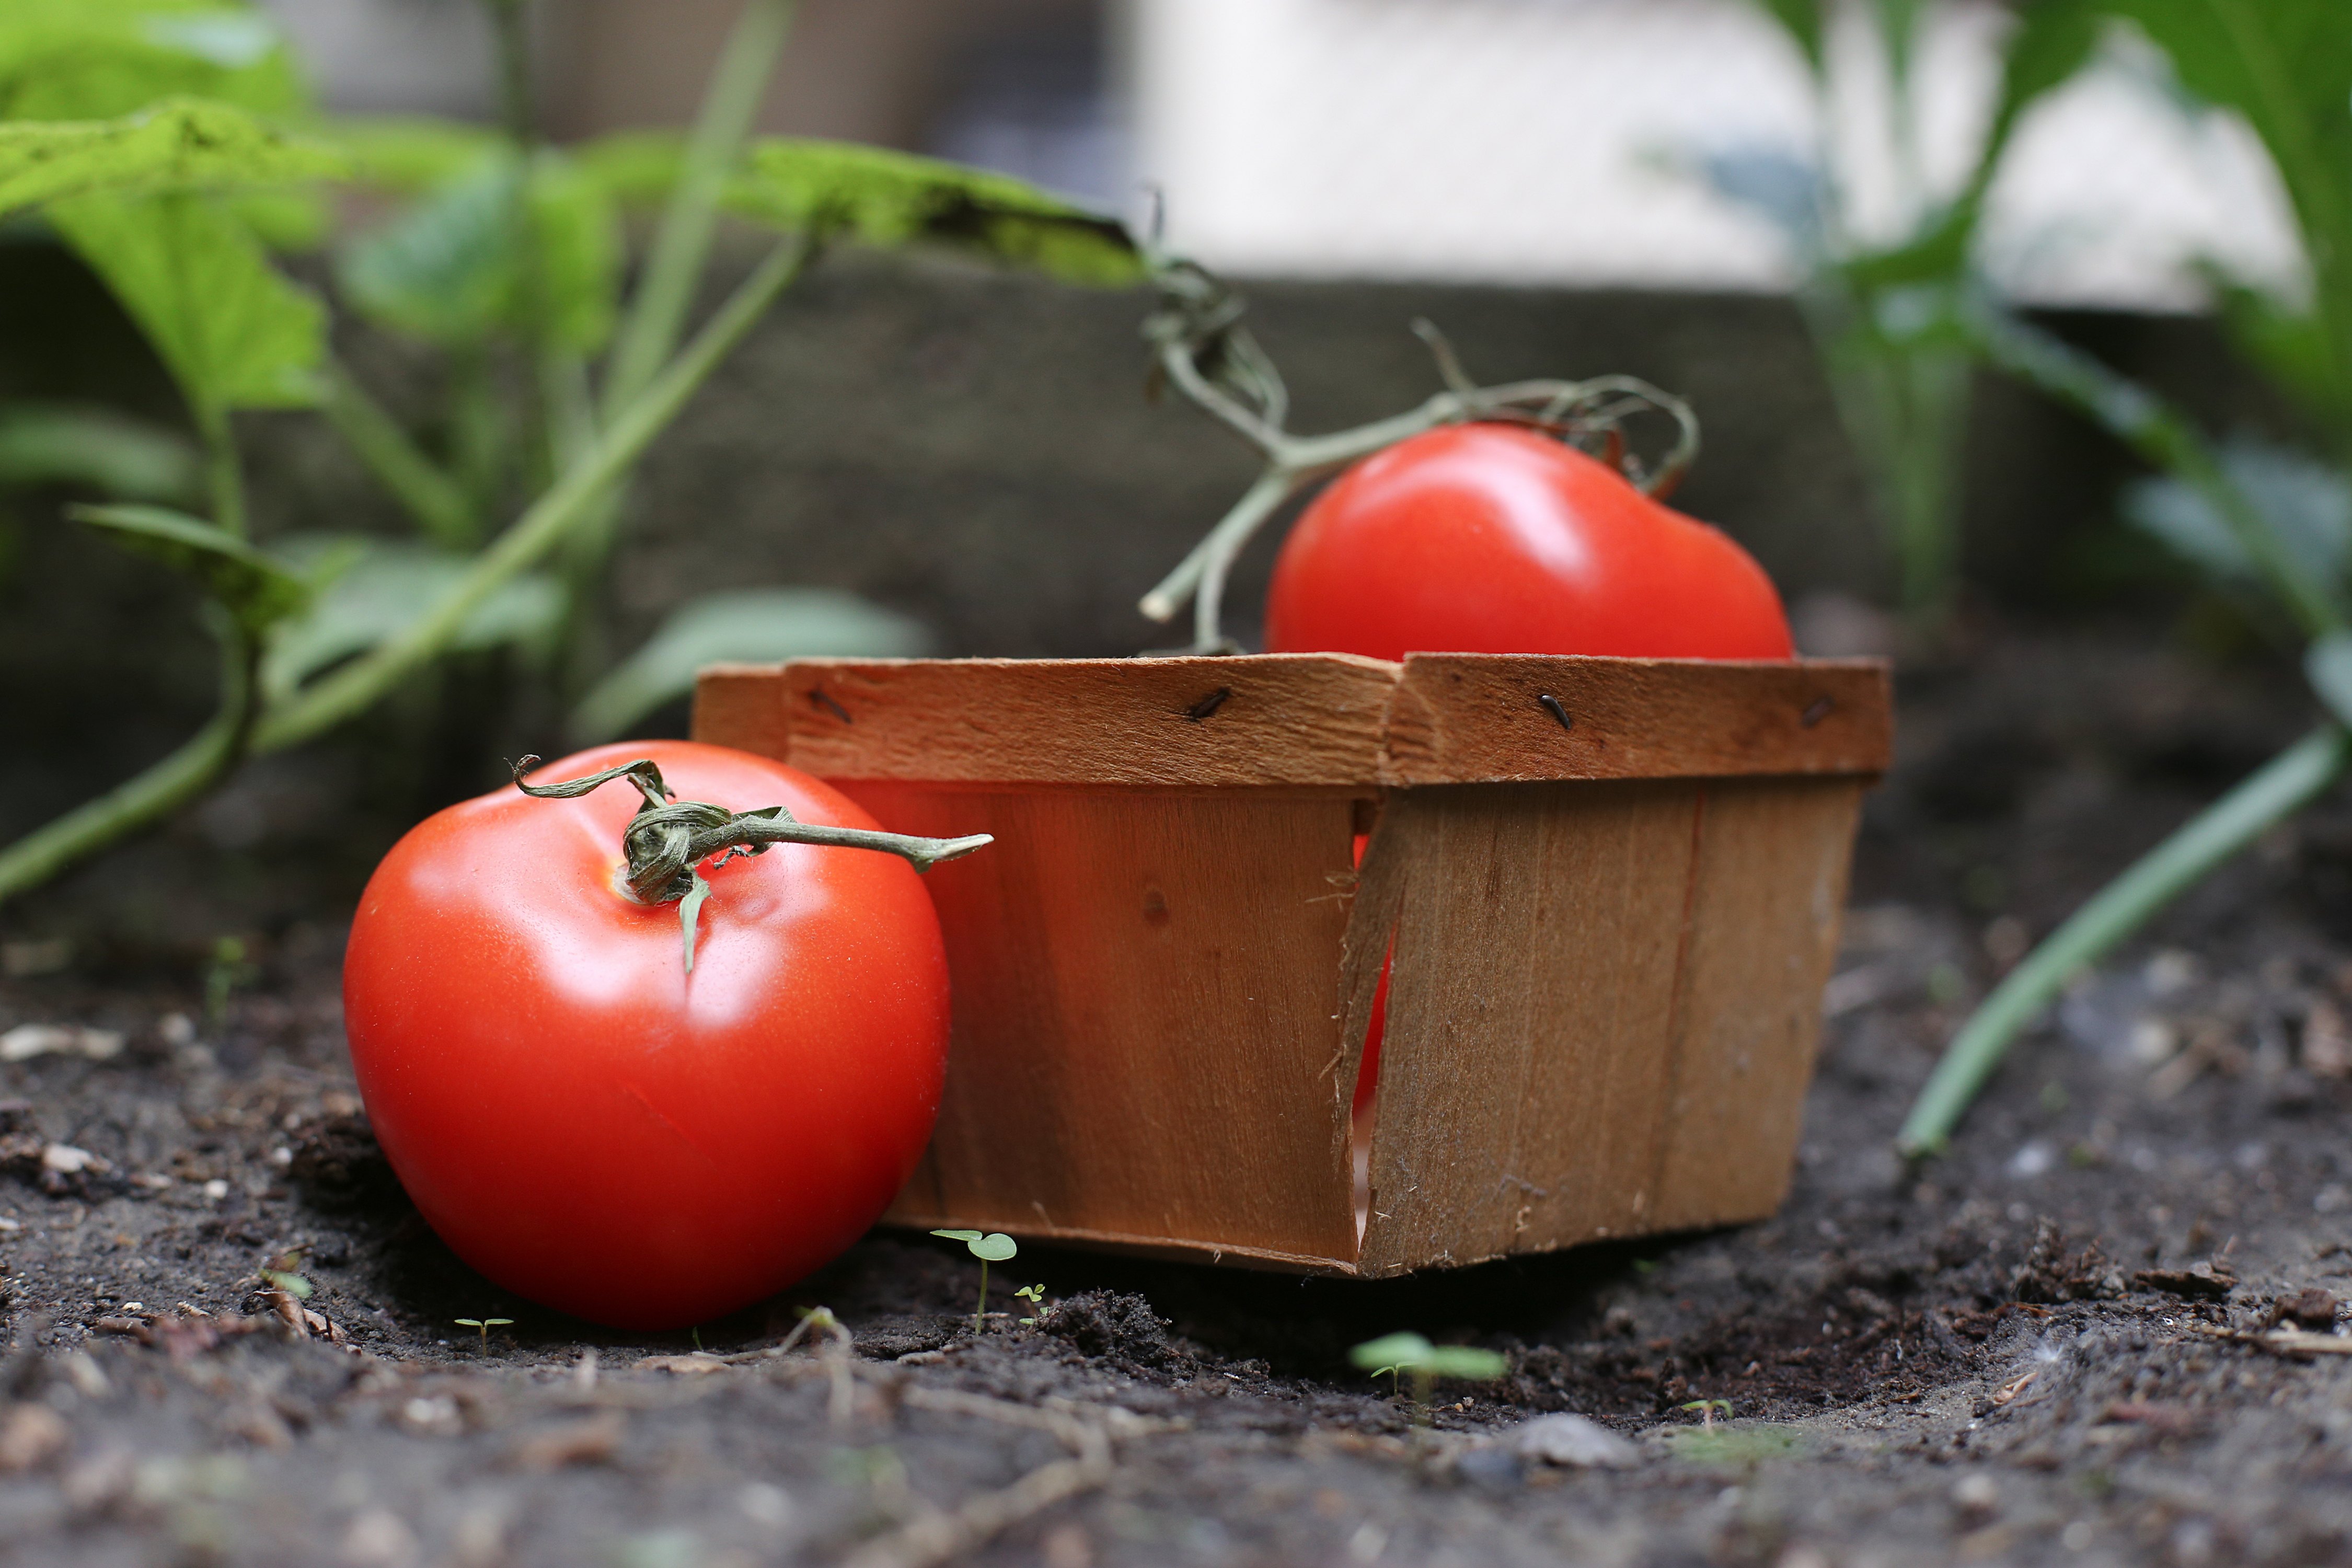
1573 1440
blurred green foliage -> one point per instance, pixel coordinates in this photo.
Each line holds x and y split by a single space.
173 145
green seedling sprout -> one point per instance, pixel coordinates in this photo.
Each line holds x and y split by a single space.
994 1247
1396 1354
281 1273
1707 1409
485 1325
1035 1296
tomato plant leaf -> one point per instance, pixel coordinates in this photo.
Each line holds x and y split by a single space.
636 168
453 268
235 332
180 145
84 60
370 590
257 589
410 155
879 198
753 626
94 448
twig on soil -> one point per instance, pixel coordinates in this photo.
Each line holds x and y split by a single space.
940 1537
2281 1341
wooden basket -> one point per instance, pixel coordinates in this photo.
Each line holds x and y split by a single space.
1610 888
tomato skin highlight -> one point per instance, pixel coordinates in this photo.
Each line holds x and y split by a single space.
594 1129
1490 539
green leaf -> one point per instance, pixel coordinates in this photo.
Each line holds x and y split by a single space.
291 1283
453 268
636 168
1407 1351
443 270
84 60
2285 66
879 198
994 1248
258 590
94 448
2305 503
1801 19
1467 1363
958 1235
182 145
235 332
410 155
2328 665
579 234
757 626
376 589
2287 341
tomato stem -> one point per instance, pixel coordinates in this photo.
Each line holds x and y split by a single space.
1208 356
668 839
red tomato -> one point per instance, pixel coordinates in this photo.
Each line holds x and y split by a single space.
589 1126
1491 539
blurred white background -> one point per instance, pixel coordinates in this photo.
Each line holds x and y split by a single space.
1522 141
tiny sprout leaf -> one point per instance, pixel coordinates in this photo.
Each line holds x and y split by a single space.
467 1322
293 1284
1392 1351
994 1248
497 1322
1467 1363
958 1235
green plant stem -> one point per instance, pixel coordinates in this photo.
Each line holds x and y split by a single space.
2146 423
979 1313
149 796
657 314
2284 785
478 430
223 475
435 501
1293 462
359 684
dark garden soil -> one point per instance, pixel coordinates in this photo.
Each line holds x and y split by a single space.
2025 1352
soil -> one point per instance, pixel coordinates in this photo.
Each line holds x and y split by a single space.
2026 1351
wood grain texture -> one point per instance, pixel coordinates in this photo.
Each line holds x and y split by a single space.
743 706
1281 719
1145 1001
1523 1074
1767 895
1474 718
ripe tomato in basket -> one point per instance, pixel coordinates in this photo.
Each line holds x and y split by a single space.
1493 538
593 1126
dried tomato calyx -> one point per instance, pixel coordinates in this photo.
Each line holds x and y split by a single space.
668 839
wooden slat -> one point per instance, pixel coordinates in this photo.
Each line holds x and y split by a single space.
1473 717
1145 1001
743 706
1307 718
1769 886
1523 1079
